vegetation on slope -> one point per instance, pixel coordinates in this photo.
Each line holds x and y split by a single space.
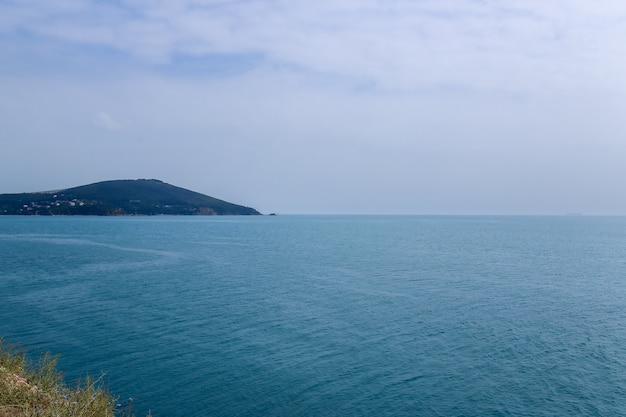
37 389
120 197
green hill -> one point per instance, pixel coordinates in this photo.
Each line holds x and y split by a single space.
119 198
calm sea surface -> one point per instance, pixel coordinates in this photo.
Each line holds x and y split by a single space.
328 315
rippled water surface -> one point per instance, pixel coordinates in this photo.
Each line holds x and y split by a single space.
328 315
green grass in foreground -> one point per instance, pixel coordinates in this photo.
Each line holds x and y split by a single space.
37 389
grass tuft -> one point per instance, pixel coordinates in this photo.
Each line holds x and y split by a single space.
37 389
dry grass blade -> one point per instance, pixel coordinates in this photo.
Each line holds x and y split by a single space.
29 390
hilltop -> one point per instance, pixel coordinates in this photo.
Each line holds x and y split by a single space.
119 198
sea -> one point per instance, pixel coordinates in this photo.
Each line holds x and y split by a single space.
300 315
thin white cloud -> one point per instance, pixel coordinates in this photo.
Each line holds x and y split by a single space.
401 44
103 119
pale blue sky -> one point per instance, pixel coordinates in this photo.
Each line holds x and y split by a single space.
399 106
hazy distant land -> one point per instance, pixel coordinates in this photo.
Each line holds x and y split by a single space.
119 198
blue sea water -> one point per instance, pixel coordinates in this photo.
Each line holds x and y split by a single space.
327 315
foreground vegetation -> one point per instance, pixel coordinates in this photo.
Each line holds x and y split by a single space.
37 389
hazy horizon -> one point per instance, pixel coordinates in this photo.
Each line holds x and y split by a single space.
405 107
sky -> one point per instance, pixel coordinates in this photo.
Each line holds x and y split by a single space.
322 107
